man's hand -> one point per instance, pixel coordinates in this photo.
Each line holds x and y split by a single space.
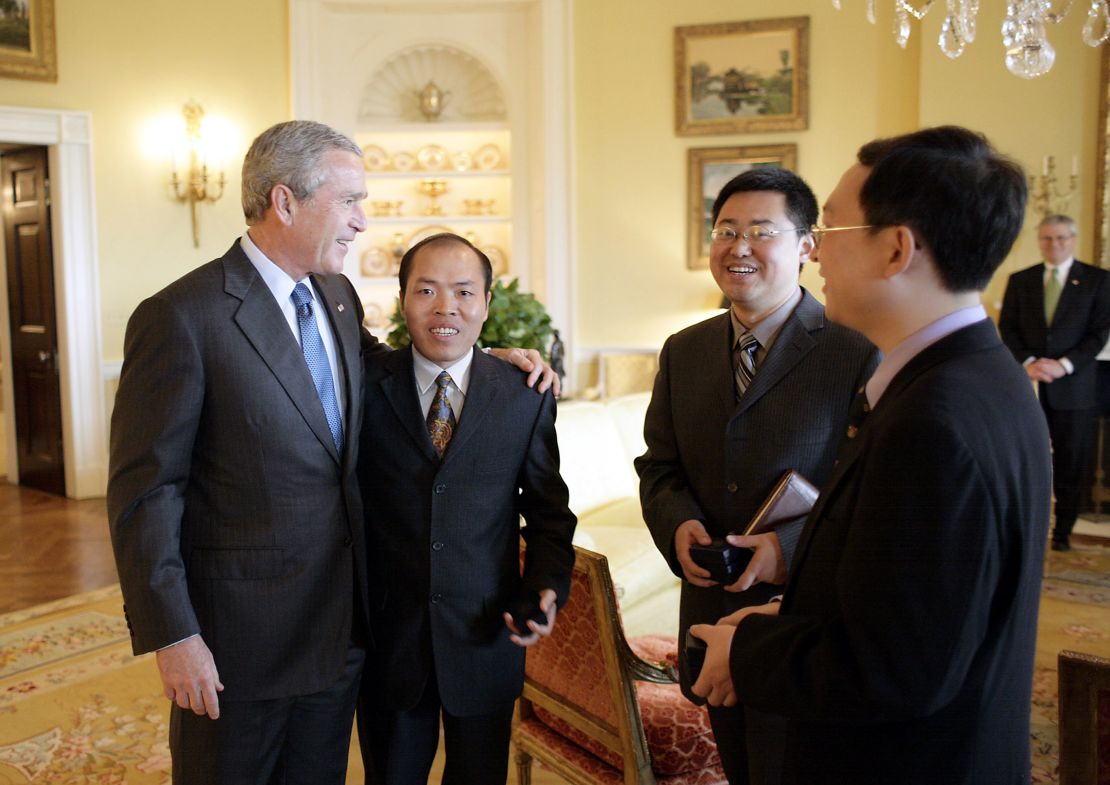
1045 369
189 676
688 533
547 605
767 564
531 362
734 619
715 682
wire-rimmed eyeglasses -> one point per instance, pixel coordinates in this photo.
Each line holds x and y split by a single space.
753 235
819 231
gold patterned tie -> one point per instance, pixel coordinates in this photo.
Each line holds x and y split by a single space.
441 419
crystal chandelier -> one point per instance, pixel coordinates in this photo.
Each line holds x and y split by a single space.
1024 30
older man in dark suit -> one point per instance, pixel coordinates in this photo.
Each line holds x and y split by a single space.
902 650
720 434
232 498
1055 320
455 451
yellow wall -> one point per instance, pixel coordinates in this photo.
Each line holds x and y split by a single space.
130 64
633 288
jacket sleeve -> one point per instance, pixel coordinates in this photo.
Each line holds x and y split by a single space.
544 505
1097 329
665 494
154 424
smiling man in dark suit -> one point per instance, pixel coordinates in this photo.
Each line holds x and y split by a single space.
716 451
902 651
1055 319
456 449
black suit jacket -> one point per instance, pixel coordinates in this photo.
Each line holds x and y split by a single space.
446 534
231 512
712 459
904 647
1078 331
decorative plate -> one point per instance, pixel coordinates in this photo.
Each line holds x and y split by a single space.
497 259
427 231
372 315
488 156
376 263
374 158
403 162
432 157
462 161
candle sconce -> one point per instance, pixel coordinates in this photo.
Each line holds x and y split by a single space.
1044 191
195 185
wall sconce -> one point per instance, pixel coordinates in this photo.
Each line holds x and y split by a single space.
194 185
1045 196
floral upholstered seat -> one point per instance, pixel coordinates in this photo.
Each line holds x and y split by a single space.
597 710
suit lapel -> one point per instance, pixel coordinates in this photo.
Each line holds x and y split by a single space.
481 392
792 344
399 388
720 374
263 324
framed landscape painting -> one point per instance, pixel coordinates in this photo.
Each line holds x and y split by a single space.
708 169
27 40
742 77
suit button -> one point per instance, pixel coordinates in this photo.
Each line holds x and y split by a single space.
346 542
437 546
436 598
731 487
441 488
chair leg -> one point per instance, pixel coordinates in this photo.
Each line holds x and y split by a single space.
523 767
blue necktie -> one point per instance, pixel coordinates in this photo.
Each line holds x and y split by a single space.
317 359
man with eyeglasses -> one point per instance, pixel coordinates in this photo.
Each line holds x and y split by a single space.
902 650
1055 319
740 399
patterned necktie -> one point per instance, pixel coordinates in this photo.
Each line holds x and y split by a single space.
1051 294
441 419
745 362
317 359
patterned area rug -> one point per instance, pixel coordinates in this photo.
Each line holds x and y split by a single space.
1074 614
76 707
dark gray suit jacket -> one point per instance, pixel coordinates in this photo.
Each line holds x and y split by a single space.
445 535
712 459
1078 331
903 652
231 513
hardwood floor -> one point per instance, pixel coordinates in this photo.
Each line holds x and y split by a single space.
50 547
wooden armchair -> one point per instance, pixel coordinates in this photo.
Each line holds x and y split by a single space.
582 712
1084 719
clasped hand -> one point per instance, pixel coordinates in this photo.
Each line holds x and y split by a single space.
537 631
715 682
766 566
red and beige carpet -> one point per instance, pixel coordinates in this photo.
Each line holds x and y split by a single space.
77 708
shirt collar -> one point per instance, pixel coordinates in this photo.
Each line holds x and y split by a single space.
912 346
275 278
427 371
768 327
1063 269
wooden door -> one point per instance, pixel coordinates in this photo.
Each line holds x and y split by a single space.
35 383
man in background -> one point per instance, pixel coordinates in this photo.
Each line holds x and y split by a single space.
902 650
455 451
740 399
1055 320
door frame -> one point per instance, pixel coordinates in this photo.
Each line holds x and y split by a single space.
68 137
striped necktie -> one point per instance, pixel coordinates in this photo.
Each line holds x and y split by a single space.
745 362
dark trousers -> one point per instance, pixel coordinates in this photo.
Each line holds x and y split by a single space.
1070 430
398 746
302 740
751 744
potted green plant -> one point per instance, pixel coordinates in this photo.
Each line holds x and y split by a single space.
516 319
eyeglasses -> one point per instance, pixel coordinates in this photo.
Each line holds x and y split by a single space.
819 231
753 235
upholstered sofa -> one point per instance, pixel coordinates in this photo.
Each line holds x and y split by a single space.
598 440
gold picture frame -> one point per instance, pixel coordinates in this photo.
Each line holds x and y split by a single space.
742 77
1102 187
27 43
708 169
